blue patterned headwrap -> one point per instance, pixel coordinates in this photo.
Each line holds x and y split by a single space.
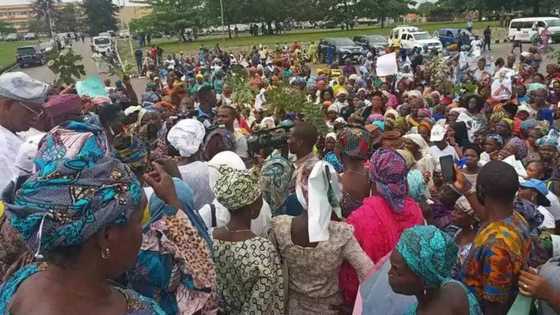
78 189
429 253
551 139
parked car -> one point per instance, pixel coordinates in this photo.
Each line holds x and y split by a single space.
30 55
378 42
12 37
124 34
29 36
102 44
422 40
450 36
344 48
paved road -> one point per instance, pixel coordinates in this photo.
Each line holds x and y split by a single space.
91 67
44 74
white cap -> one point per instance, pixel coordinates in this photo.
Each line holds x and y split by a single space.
21 87
438 133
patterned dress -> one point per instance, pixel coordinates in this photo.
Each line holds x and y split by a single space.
313 271
249 277
499 252
136 303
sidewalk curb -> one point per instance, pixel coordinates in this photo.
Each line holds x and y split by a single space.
8 68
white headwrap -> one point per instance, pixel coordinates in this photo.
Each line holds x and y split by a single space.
419 141
186 136
323 197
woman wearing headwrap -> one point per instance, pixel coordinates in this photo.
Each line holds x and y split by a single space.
313 246
379 222
215 214
216 141
355 147
186 138
175 265
463 229
548 151
81 213
248 266
276 175
330 154
419 148
421 265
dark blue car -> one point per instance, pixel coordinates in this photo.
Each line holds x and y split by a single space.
449 36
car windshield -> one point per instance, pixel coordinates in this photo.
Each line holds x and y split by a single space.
422 36
376 38
343 42
521 25
554 23
26 51
102 41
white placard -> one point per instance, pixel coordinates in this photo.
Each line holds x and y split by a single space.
386 65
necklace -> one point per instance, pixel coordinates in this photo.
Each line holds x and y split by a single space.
236 231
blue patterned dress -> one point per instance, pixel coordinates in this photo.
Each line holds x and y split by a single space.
136 303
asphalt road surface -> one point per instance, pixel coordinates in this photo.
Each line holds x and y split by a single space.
91 67
44 74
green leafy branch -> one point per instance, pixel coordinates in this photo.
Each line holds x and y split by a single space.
67 66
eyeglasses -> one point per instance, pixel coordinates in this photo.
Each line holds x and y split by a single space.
36 113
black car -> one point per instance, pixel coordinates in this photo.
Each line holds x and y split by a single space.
342 48
30 55
378 42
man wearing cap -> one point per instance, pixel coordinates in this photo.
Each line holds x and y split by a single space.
21 98
535 191
440 145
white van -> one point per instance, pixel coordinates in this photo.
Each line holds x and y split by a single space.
524 29
396 34
102 44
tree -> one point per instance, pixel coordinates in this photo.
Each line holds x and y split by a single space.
45 9
67 66
174 16
100 15
38 25
383 9
6 28
67 19
426 8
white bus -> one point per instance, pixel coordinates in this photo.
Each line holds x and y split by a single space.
524 29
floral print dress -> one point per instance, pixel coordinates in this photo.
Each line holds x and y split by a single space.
249 277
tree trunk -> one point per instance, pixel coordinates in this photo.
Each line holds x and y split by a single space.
229 31
269 26
536 7
382 21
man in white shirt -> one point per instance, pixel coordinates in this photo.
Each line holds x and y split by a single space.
21 98
441 147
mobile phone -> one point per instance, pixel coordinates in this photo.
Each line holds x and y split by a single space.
447 169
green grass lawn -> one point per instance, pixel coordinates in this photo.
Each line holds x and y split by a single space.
8 51
245 41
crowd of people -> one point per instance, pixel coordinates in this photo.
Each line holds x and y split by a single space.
430 191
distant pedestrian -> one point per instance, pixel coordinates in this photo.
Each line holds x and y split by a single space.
487 38
139 56
517 42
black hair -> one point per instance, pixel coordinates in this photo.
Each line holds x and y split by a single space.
473 147
499 181
306 132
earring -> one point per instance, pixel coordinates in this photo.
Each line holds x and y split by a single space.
106 253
